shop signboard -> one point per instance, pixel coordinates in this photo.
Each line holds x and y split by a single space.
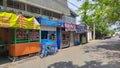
17 21
70 27
69 19
73 27
27 23
22 22
46 22
80 29
5 19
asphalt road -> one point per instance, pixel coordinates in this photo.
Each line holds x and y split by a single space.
95 54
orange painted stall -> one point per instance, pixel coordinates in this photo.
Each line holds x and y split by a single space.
23 34
23 48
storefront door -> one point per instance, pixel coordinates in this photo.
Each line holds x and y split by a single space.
65 39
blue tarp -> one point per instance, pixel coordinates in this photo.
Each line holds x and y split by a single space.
47 42
60 23
46 22
48 47
76 43
44 18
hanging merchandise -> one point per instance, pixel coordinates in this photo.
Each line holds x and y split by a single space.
80 29
67 27
73 27
34 35
21 35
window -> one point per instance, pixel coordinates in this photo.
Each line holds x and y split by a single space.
1 2
16 5
22 6
33 9
10 3
46 12
56 15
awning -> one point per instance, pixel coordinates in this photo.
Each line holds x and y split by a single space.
11 20
47 22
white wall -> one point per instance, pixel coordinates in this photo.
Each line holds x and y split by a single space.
47 28
89 35
78 20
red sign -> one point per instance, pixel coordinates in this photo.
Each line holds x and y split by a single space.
70 27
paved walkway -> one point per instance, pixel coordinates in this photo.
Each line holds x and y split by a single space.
96 54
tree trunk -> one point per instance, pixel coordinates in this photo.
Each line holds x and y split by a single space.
94 31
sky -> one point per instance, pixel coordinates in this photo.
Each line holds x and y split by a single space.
74 5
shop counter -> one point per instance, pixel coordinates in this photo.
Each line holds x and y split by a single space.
20 49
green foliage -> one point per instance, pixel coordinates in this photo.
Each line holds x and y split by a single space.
111 32
102 28
100 12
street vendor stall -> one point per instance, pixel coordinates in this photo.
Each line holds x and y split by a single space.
80 29
48 36
22 34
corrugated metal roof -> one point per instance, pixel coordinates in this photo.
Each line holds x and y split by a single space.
59 6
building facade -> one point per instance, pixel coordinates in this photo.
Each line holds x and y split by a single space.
36 8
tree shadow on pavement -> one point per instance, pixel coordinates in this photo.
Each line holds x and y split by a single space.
112 55
63 65
115 47
95 64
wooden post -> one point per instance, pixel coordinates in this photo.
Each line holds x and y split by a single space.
28 35
15 36
39 35
94 31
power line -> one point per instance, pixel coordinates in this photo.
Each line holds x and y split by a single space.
72 4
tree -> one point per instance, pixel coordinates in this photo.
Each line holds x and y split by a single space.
97 11
102 30
111 32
